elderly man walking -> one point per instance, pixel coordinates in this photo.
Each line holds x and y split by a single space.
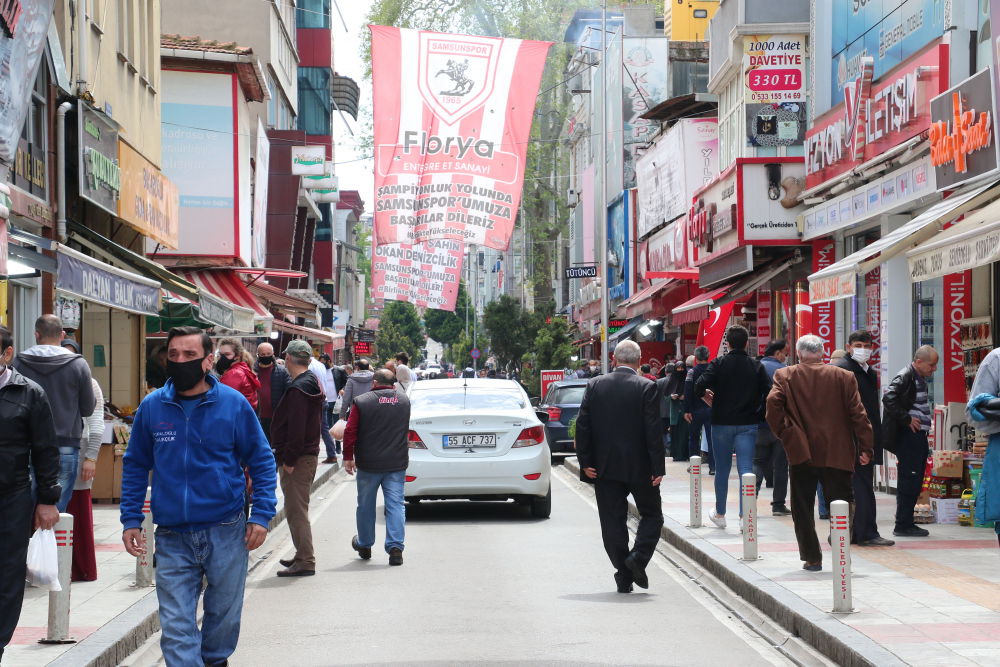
619 442
816 411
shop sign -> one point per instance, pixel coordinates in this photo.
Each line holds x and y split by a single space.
774 89
728 266
363 348
719 196
580 272
957 307
835 287
149 202
340 320
100 176
823 254
29 171
645 86
614 324
962 142
889 194
308 160
79 276
224 314
765 214
262 171
959 255
875 117
660 249
365 335
887 32
620 247
22 42
763 317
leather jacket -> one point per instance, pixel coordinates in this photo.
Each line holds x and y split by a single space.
901 395
28 431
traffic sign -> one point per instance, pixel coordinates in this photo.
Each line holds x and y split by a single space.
475 353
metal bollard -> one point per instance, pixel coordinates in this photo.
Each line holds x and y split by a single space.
58 631
695 492
841 540
748 490
144 563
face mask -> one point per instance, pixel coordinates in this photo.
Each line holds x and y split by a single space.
224 364
186 374
265 361
861 355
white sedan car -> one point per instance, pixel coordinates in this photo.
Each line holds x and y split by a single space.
477 439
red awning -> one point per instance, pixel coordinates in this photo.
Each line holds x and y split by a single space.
225 284
696 309
306 332
280 300
642 301
591 310
676 274
271 273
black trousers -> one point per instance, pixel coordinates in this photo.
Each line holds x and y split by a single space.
612 507
865 527
16 511
770 453
836 485
911 452
265 425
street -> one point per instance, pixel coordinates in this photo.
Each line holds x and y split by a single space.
482 583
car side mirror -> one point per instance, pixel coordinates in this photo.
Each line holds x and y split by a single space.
542 415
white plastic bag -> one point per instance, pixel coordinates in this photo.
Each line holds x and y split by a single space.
43 561
338 404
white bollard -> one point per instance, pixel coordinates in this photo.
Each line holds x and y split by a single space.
144 563
748 489
841 540
58 631
695 492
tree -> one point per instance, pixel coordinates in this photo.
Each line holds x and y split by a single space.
553 346
404 316
510 329
458 352
446 326
390 340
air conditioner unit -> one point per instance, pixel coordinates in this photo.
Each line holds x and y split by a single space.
572 198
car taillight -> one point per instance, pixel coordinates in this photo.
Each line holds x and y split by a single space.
410 478
414 441
554 414
530 437
533 476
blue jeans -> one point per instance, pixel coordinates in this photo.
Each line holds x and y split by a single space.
220 554
823 509
331 446
395 515
69 465
700 418
741 439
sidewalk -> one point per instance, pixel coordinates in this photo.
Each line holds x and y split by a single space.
930 601
93 604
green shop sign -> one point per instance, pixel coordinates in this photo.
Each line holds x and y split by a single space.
100 179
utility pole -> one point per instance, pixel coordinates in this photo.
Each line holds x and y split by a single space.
467 255
604 190
475 306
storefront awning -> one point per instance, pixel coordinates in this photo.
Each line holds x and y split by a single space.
175 311
696 309
230 296
306 332
277 299
642 301
758 278
87 279
972 242
838 281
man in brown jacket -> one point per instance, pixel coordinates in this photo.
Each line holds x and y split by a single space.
815 410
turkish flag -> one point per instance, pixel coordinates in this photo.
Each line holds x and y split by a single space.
712 329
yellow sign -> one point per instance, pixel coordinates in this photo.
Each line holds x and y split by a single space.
149 202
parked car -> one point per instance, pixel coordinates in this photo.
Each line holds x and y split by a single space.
562 402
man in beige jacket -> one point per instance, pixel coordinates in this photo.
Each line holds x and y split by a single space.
815 410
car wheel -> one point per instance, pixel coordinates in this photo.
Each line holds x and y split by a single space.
541 508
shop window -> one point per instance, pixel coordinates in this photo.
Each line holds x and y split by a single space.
313 14
324 226
928 320
314 100
866 305
29 172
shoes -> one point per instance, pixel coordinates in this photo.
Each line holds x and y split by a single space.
769 485
286 562
625 589
817 567
364 552
911 531
395 556
711 471
824 517
689 470
330 459
224 663
719 521
296 571
638 573
877 542
780 510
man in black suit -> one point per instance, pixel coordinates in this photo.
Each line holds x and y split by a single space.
619 442
859 351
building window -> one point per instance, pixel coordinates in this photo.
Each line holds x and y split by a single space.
123 32
324 226
314 100
29 172
272 104
313 14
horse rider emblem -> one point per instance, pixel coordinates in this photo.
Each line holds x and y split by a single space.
456 72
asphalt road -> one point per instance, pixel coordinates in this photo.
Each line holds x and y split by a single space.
482 584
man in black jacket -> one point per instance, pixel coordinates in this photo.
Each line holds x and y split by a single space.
376 435
619 443
27 440
859 351
274 381
907 421
698 413
735 385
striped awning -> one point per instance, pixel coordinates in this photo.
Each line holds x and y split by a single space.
306 332
249 315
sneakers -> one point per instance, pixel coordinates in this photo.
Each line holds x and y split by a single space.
910 531
877 542
719 521
395 556
364 552
780 510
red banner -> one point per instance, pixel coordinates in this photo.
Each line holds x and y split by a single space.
957 307
823 322
426 275
712 330
452 124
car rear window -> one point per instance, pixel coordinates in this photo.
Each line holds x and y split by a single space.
459 398
572 395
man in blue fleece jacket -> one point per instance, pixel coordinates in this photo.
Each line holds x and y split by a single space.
196 435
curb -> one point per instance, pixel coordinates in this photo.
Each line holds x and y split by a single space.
824 632
121 636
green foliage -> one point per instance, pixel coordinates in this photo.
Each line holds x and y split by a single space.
391 340
572 428
458 352
445 327
552 345
510 329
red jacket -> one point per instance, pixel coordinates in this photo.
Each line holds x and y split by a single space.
242 379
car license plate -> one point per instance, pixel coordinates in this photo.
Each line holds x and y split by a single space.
471 440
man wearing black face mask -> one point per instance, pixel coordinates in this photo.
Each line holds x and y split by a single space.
195 435
274 380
